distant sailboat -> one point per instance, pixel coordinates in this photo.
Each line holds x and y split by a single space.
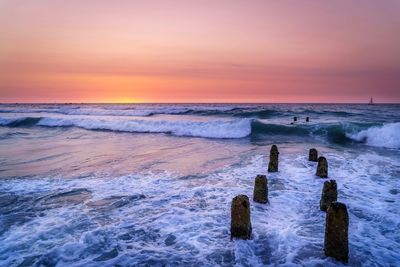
371 101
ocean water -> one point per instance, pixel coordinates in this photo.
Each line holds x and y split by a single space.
151 185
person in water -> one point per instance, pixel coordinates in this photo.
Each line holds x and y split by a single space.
295 119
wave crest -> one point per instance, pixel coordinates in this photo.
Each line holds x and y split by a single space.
208 129
343 133
386 135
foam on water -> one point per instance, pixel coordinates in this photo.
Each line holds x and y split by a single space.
108 198
336 124
215 128
210 129
198 126
164 218
387 135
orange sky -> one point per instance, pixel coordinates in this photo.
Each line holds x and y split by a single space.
199 51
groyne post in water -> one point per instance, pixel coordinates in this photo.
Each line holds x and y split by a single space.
336 243
273 159
313 155
322 168
260 194
240 217
329 194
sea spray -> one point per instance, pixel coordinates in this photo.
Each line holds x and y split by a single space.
210 129
386 135
222 123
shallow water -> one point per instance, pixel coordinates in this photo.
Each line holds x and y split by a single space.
128 185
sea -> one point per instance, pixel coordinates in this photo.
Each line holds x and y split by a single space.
152 184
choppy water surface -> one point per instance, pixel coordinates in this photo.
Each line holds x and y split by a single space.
131 185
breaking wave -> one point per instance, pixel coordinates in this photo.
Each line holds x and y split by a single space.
340 133
386 135
208 129
20 122
262 128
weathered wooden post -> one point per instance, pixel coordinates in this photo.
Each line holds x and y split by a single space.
240 217
322 168
313 155
260 194
336 243
329 194
273 159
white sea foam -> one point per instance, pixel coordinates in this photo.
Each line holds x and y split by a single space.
210 129
387 136
147 216
188 218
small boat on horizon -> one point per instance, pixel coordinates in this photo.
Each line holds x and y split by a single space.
371 101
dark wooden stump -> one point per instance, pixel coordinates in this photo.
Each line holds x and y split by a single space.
260 189
313 155
240 217
336 243
273 159
329 194
322 168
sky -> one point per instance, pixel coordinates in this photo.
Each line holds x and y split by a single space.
199 51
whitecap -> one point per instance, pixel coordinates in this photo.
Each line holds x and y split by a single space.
209 129
386 135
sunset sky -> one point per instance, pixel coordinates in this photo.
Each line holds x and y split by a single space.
199 51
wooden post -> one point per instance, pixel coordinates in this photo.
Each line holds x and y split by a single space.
261 189
273 159
336 243
329 194
240 217
322 168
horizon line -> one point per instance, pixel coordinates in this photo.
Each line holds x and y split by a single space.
130 103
